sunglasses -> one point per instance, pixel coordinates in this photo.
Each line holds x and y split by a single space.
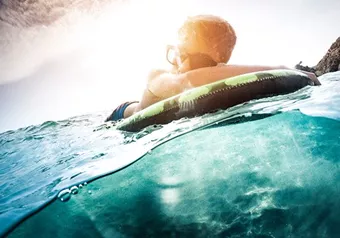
197 60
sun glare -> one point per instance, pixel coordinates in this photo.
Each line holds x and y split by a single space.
127 42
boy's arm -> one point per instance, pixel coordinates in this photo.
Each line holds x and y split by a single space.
163 84
211 74
207 75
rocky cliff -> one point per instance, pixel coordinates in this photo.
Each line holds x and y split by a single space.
329 63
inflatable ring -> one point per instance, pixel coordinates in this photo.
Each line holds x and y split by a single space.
221 94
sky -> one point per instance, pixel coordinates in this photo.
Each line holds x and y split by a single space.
92 58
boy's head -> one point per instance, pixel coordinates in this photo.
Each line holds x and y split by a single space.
206 34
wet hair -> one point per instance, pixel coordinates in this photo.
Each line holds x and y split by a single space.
209 34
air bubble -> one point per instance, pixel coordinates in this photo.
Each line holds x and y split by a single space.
64 195
85 184
74 190
80 186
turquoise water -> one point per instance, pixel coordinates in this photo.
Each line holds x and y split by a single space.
268 168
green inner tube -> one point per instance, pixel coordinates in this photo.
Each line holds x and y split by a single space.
221 94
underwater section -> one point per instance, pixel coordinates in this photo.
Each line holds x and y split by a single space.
274 177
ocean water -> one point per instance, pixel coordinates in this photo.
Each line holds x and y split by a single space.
267 168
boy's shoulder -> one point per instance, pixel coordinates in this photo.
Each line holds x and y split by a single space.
155 72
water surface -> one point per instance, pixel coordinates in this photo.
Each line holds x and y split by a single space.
280 169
